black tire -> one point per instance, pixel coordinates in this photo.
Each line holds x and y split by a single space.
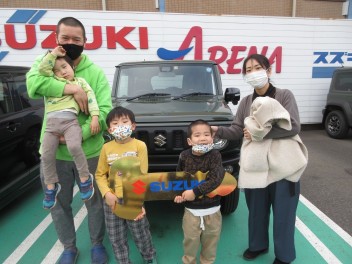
229 202
336 125
31 145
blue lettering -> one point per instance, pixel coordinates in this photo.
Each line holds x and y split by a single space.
173 185
349 56
155 187
338 57
178 185
322 57
169 188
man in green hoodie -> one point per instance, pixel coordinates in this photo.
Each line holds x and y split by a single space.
70 34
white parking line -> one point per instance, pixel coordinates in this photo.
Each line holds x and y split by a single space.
337 229
26 244
29 241
57 249
316 243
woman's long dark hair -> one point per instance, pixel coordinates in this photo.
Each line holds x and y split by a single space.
261 59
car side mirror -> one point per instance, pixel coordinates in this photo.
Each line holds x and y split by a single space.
232 95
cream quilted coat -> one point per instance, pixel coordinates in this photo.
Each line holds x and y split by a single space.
264 161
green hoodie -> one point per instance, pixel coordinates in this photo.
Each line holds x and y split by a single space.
39 86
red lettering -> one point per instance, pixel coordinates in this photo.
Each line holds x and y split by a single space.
50 41
97 39
119 37
213 52
11 38
196 33
143 38
234 59
276 57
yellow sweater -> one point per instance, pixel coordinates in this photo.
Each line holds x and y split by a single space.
112 151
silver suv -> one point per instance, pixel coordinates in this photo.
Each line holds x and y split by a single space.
337 115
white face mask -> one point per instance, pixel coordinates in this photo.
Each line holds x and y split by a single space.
122 132
202 149
257 79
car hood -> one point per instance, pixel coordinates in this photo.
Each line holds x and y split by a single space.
178 110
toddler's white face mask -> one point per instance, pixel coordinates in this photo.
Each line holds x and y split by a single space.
257 79
122 132
202 149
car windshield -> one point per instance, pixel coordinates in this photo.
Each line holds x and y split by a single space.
174 80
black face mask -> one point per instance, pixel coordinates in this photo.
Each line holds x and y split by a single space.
73 50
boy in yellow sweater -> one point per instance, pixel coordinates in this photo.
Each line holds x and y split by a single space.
121 123
62 124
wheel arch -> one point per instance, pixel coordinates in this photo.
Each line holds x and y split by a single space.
330 108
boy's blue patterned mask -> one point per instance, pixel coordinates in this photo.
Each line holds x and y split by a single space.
202 149
122 132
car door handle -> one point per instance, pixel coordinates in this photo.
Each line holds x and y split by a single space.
12 126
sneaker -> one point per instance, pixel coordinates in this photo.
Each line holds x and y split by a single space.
250 255
151 261
69 256
86 188
98 255
50 197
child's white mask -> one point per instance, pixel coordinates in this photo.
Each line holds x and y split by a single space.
122 132
202 148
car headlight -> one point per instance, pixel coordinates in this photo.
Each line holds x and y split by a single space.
220 143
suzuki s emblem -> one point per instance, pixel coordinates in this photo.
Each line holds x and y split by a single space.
160 140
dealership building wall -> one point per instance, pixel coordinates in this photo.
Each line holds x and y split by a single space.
327 9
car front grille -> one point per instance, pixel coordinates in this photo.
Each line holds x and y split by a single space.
167 141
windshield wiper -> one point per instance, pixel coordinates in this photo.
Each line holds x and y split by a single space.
191 94
147 95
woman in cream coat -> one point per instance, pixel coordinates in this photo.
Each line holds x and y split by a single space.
281 195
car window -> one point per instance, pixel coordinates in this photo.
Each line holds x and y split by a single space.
21 99
344 81
13 93
170 79
6 104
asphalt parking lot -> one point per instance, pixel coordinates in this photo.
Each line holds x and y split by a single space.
327 180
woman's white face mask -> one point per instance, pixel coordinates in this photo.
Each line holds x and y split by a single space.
257 79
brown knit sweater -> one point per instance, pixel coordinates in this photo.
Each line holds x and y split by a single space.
210 162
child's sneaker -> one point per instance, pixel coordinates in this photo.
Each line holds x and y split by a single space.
50 196
86 188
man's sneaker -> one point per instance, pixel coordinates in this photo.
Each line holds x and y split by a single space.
69 256
50 196
86 188
98 254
